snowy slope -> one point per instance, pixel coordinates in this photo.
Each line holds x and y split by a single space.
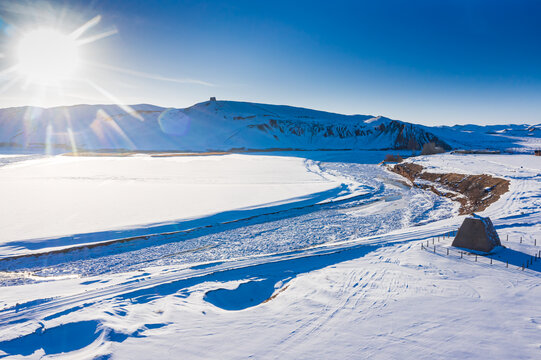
523 138
211 125
230 125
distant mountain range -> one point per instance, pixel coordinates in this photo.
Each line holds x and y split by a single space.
230 125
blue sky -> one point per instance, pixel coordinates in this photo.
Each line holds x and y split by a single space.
430 62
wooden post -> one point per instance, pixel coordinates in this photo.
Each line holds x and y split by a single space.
434 249
521 239
507 237
447 251
475 257
461 254
507 264
490 261
534 242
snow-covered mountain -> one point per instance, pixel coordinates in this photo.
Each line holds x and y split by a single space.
218 125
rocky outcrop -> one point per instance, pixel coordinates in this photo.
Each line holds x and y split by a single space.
474 192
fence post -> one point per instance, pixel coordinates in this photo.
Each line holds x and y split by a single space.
447 251
461 254
490 261
534 242
434 249
507 237
475 257
521 239
507 264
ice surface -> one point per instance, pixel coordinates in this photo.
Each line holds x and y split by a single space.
111 197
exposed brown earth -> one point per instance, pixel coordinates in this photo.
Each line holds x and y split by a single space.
276 294
473 192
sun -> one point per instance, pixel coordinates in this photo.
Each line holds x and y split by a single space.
47 56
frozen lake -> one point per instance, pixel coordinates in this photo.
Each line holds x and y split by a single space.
61 195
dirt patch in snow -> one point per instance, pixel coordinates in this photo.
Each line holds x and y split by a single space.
473 192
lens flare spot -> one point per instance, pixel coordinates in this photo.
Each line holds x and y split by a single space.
174 122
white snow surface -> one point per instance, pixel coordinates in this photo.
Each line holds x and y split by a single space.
103 198
346 279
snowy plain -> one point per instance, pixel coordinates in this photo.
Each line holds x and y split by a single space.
336 276
47 200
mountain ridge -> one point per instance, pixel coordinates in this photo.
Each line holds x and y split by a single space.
226 125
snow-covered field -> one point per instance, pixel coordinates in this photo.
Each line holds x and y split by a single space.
311 255
46 200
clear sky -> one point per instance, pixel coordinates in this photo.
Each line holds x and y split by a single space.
431 62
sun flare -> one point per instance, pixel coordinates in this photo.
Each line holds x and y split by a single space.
47 56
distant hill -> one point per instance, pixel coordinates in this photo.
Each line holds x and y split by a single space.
231 125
